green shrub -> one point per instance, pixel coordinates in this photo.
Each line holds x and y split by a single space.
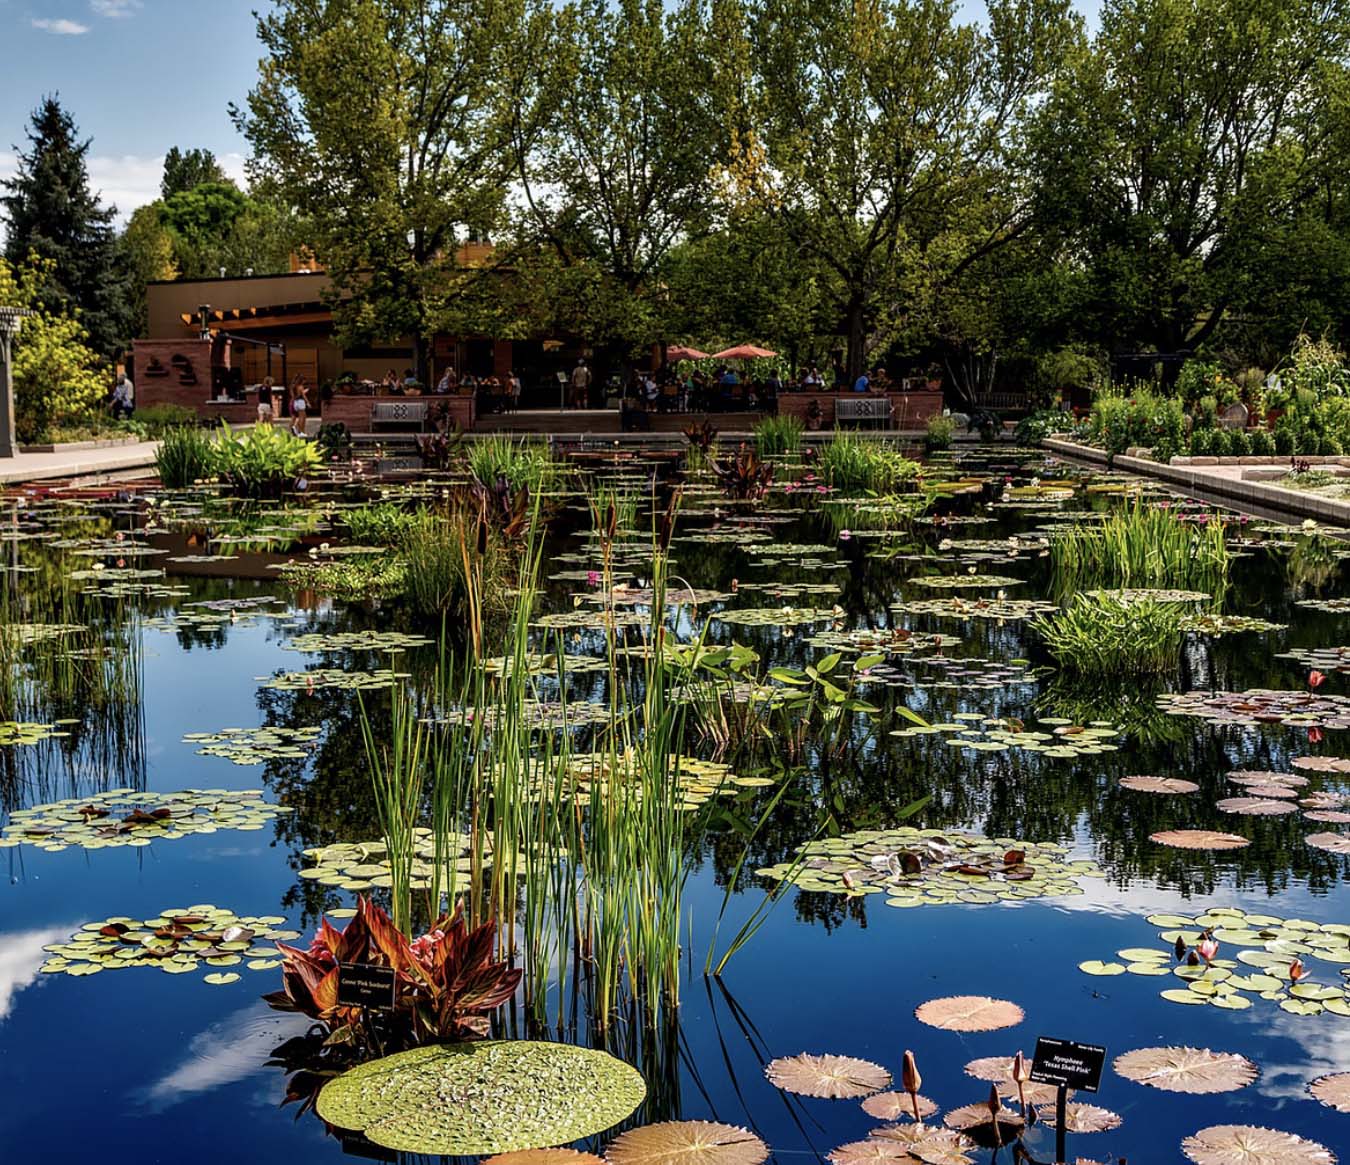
1142 419
184 456
159 419
1239 443
261 462
1223 443
941 432
850 462
1102 635
778 435
1202 442
1205 414
1263 444
1035 427
1283 441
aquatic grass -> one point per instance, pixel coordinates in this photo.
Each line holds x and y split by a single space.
1142 544
779 436
851 463
183 457
1102 635
523 464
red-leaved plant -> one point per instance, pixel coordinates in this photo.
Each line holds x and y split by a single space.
447 982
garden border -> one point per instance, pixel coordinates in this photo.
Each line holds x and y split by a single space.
1210 479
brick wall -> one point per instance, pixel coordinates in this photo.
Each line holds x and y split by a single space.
909 410
175 372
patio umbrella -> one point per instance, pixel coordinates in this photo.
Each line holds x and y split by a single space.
744 352
677 352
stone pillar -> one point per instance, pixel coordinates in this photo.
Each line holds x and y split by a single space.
11 320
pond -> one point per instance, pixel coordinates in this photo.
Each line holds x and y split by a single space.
183 676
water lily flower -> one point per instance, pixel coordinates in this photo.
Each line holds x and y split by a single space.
1208 948
1309 524
593 578
1316 679
1314 736
845 535
1297 970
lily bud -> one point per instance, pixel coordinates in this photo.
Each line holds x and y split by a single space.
1021 1070
910 1080
1297 970
1180 948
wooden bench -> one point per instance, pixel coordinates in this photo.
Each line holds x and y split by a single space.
412 412
856 409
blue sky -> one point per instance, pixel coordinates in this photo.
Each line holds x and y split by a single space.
141 76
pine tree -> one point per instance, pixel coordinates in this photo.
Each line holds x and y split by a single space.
50 211
185 170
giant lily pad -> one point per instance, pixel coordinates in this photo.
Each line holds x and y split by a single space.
1251 1145
489 1097
1333 1091
969 1013
1194 1070
827 1075
1206 839
687 1143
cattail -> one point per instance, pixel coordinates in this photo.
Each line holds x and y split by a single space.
911 1082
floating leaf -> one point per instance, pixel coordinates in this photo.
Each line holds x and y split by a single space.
1181 1069
1251 1145
969 1013
897 1106
1206 839
508 1096
1085 1118
1333 1091
1164 785
835 1077
687 1143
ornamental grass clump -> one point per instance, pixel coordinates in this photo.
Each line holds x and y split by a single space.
183 457
1102 635
850 463
523 464
1142 545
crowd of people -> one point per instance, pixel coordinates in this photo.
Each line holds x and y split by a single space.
725 389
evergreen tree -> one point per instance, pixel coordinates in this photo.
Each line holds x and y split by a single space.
51 212
185 170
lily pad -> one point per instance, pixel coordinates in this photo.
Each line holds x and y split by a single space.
488 1097
830 1076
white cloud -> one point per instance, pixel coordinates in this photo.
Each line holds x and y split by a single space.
114 9
130 181
226 1052
21 955
61 27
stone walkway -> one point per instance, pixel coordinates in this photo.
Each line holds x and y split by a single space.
77 463
1224 482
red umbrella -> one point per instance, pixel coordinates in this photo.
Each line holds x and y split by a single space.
744 352
677 352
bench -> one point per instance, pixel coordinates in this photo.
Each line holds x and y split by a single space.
412 412
855 409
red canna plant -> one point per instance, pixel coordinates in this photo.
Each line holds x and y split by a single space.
447 983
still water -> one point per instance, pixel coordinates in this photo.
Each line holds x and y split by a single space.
138 1065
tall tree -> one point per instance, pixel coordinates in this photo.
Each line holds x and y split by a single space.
626 135
185 170
1180 146
380 122
888 134
51 212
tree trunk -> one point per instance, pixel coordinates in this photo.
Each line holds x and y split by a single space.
422 359
856 361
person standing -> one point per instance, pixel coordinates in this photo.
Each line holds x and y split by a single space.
581 385
123 398
299 406
265 410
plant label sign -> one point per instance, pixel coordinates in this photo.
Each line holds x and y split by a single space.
1067 1064
363 985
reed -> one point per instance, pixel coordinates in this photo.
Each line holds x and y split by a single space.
851 463
779 436
1142 545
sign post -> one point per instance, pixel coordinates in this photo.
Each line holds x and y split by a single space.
1067 1064
366 986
